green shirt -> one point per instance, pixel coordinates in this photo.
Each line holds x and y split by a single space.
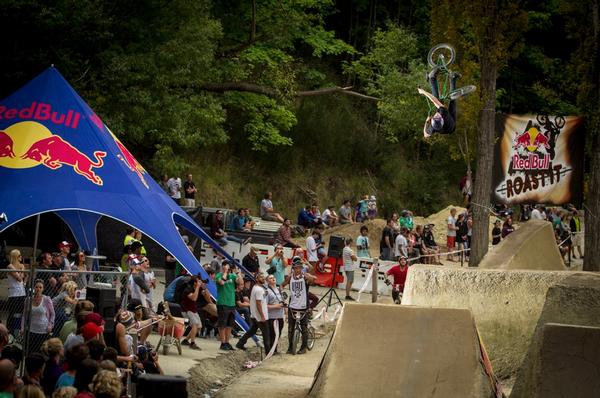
226 292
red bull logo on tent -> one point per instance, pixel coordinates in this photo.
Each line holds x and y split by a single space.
538 160
130 161
30 144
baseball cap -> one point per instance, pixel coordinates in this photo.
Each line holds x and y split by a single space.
134 305
95 318
90 330
64 243
296 261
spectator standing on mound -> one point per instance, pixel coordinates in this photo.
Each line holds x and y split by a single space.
226 282
258 313
401 244
190 190
362 243
312 248
349 261
386 246
267 212
174 185
451 233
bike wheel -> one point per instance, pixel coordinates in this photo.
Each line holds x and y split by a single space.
296 340
311 338
442 54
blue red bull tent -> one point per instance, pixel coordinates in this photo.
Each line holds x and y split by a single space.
49 138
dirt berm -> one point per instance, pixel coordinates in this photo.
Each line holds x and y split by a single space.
506 304
569 355
532 246
395 351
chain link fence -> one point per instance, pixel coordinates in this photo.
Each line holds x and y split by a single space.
40 304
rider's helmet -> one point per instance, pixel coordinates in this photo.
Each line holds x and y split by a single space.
437 122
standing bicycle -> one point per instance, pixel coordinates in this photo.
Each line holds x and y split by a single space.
298 306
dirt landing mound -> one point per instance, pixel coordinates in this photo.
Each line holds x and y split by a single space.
426 352
532 246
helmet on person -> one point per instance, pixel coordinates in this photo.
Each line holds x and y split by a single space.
437 122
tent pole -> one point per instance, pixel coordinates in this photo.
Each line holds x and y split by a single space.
35 239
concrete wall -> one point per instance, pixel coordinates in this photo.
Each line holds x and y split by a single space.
573 301
506 304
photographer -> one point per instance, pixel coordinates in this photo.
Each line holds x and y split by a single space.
149 360
190 310
226 283
276 307
277 264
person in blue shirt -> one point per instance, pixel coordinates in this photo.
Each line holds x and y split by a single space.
362 243
306 219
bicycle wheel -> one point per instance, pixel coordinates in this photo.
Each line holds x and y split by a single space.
296 340
311 338
461 92
442 54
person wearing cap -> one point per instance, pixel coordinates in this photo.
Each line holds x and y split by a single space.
259 314
137 286
140 314
65 249
226 282
91 331
189 307
349 262
399 273
299 300
250 261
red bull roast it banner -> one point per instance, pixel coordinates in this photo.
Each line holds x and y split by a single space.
538 159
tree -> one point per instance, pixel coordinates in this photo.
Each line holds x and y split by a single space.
496 27
585 67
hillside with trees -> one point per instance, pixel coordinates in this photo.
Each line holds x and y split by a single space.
314 100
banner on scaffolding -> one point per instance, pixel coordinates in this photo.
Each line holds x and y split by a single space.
538 159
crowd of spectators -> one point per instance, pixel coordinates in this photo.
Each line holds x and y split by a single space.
68 351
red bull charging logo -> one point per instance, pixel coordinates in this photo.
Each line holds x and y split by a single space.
30 144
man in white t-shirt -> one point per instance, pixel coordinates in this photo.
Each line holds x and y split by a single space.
349 261
451 233
536 214
401 244
330 217
174 185
312 248
259 314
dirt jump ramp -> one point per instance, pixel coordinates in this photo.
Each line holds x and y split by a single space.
565 362
506 304
532 246
570 352
394 351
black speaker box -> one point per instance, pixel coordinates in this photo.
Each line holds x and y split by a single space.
151 385
105 303
336 245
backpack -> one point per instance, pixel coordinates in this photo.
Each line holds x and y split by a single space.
179 289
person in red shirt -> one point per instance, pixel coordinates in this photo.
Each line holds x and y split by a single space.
399 272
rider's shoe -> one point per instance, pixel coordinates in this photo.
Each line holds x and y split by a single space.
302 351
349 298
289 351
455 75
240 346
